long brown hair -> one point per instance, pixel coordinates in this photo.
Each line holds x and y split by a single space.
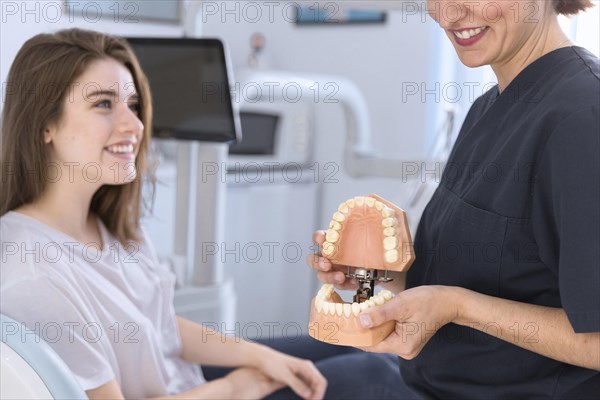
568 7
37 87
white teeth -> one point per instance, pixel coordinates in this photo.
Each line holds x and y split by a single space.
332 308
369 201
379 205
389 222
329 249
319 304
387 295
391 256
360 200
326 290
335 225
350 203
343 208
467 34
339 217
387 212
347 310
332 236
121 149
389 232
390 243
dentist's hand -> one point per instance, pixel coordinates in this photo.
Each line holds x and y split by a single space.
326 271
419 312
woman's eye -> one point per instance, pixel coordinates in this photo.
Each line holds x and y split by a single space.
103 104
135 107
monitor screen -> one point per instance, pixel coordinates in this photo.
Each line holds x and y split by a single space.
260 131
190 88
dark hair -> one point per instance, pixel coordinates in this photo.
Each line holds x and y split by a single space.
571 7
49 63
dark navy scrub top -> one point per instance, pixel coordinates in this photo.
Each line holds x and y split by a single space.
517 216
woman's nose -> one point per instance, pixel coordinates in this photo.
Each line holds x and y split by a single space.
129 122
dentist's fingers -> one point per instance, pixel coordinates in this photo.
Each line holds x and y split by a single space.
376 316
327 272
319 237
318 262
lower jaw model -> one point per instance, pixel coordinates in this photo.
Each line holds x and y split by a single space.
370 236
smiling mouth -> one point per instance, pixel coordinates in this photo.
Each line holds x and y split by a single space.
120 149
469 33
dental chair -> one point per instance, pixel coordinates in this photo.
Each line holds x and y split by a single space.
30 369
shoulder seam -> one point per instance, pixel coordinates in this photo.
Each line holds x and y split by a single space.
575 50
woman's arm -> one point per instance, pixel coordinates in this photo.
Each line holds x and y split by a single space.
247 383
217 389
206 346
202 345
419 312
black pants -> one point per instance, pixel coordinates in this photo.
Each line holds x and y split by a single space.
350 373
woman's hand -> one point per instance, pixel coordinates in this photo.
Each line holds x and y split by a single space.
300 375
419 312
250 383
328 272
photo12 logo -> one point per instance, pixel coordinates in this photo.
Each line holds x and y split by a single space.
53 12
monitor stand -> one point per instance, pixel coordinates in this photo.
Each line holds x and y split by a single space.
207 295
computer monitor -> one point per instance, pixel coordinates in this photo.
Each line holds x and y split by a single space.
190 88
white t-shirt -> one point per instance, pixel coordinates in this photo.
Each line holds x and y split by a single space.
107 313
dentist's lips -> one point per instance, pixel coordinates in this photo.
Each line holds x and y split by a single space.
469 36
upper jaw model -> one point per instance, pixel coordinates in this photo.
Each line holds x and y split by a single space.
370 236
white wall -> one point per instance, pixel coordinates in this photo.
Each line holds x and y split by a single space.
382 59
20 20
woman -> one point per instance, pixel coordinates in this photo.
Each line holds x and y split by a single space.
504 298
76 267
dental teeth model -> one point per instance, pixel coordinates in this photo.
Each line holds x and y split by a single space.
370 236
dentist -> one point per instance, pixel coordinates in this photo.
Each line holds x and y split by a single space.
503 300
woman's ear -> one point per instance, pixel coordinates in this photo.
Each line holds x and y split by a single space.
48 134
